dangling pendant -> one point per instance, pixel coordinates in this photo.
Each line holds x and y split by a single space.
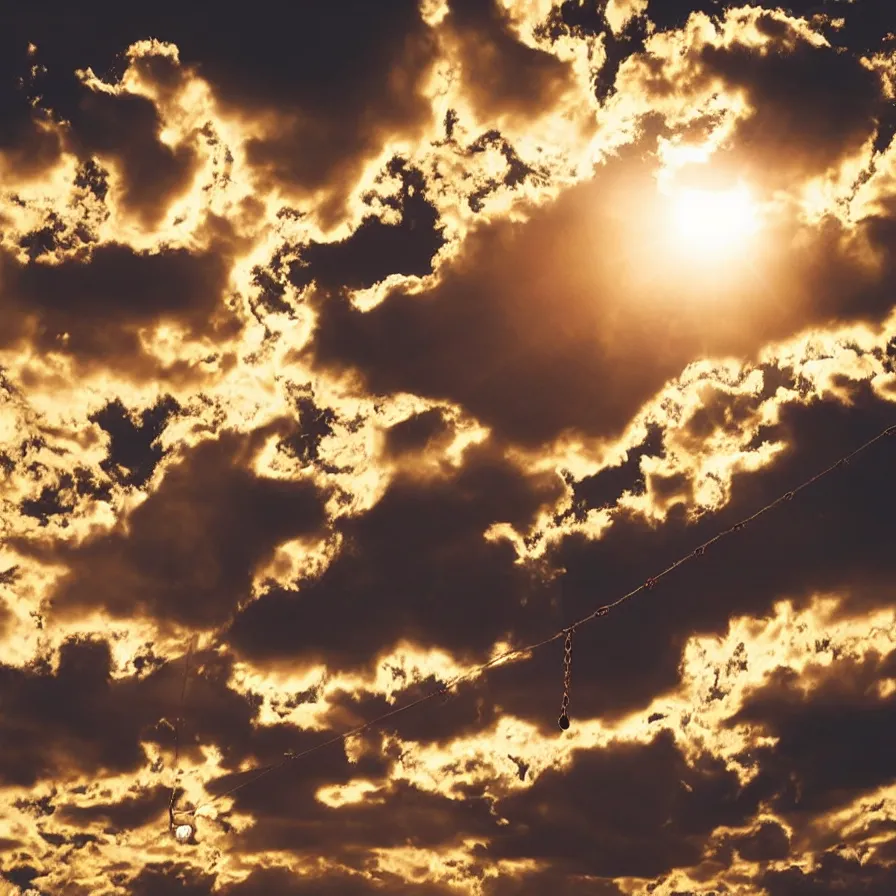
563 721
184 833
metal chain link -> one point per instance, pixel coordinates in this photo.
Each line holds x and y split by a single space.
563 721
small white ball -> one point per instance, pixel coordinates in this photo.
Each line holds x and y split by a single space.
183 833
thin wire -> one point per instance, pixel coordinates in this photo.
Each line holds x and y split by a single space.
523 652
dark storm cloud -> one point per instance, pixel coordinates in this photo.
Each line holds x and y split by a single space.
281 882
92 305
866 26
170 879
720 411
289 818
188 553
375 250
628 810
314 424
59 723
831 539
768 842
501 74
288 815
834 874
414 566
49 503
21 876
337 114
55 235
125 128
57 500
79 719
179 879
280 59
496 336
27 145
796 129
416 433
534 328
833 744
288 793
129 812
834 538
550 881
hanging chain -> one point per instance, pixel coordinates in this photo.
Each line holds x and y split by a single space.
182 831
563 721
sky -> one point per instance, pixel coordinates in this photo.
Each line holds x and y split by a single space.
349 349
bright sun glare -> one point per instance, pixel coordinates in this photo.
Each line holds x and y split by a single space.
712 223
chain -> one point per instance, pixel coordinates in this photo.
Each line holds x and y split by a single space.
183 832
563 721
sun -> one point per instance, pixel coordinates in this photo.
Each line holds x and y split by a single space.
713 224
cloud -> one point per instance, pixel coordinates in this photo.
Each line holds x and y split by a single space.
769 842
100 722
417 433
814 764
348 834
282 882
621 812
93 306
124 129
196 520
560 305
834 873
408 568
70 743
625 660
158 879
344 348
502 75
29 144
338 113
130 812
790 123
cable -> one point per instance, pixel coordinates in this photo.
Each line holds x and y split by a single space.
523 652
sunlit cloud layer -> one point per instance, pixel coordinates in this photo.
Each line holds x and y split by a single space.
347 350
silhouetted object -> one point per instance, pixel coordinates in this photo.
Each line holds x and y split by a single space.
522 767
